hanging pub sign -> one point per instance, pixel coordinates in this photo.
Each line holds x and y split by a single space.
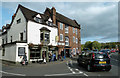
21 51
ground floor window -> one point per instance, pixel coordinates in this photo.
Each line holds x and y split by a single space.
34 54
21 51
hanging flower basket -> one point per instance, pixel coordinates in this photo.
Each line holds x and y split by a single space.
31 45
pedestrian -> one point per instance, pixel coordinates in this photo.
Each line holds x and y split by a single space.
50 57
24 60
62 55
44 60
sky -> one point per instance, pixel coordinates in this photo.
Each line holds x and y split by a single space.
98 20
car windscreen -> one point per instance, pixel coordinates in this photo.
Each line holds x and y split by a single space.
101 56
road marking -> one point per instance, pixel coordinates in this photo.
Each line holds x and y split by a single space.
13 73
60 74
85 74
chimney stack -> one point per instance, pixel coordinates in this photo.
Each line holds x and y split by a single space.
54 15
13 16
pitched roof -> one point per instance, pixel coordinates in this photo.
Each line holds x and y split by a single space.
29 14
63 19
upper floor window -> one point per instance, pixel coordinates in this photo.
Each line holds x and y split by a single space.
11 38
46 36
66 29
6 39
76 31
19 21
49 23
61 37
2 41
61 26
41 36
73 38
21 36
76 40
73 30
66 41
37 19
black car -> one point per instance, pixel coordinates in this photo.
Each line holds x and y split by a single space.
94 60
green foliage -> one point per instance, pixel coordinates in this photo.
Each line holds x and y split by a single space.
96 45
88 45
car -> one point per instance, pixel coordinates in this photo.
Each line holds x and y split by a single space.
105 51
113 51
95 50
95 60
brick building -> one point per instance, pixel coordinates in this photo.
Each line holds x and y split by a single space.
68 32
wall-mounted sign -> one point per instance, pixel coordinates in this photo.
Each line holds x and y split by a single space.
21 51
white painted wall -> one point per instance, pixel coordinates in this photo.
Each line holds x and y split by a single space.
10 53
34 33
16 29
18 59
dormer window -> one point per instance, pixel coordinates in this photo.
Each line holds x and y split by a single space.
37 19
49 23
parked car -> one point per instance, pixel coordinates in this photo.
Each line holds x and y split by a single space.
94 60
113 51
105 51
95 50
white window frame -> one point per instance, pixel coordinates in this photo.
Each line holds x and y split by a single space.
67 41
73 39
61 26
73 30
74 51
76 31
61 35
76 40
66 29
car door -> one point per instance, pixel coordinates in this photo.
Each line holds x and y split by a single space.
82 61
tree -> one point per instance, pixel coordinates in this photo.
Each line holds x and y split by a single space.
96 45
88 45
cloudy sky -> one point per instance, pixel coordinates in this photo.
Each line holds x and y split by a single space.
98 20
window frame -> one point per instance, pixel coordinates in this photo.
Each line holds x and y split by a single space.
67 41
19 21
61 35
66 28
61 26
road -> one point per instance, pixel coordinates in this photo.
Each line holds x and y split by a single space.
67 67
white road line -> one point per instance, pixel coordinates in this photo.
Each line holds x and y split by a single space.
13 73
85 74
79 71
60 74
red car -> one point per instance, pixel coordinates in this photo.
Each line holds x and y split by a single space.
113 51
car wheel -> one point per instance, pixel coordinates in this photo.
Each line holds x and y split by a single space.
89 68
107 70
